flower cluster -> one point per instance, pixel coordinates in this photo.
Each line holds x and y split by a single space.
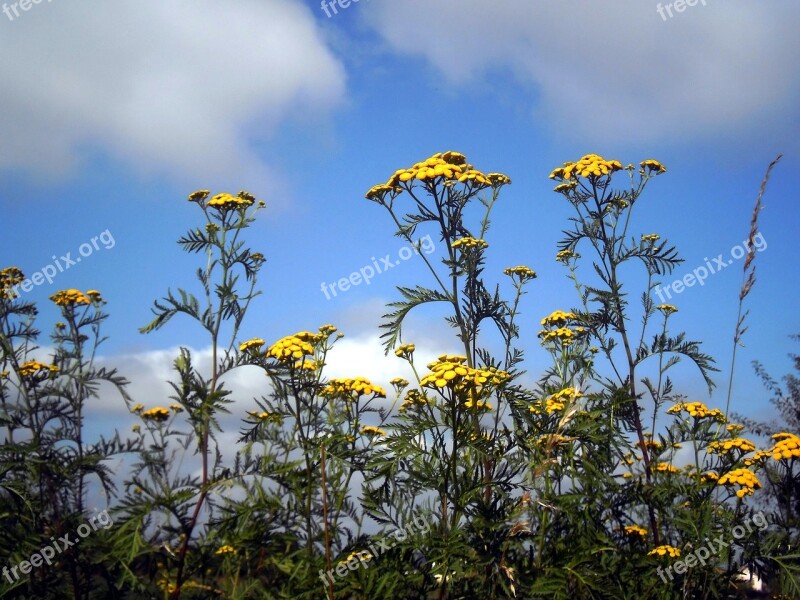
9 277
663 467
521 272
351 388
564 334
591 166
787 446
362 556
698 410
635 530
292 347
415 399
469 243
372 431
558 318
226 549
448 167
266 417
33 367
249 345
565 255
559 400
224 201
451 372
72 297
651 237
667 309
159 413
666 550
725 446
653 166
741 477
405 351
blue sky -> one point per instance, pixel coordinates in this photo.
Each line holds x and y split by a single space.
113 112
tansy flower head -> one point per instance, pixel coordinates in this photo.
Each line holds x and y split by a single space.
468 243
478 405
405 351
635 530
158 413
352 388
667 309
665 550
33 367
726 446
498 179
698 410
251 345
744 478
787 446
558 318
521 272
226 549
651 237
666 468
591 166
198 196
290 348
415 399
653 167
70 297
372 431
565 256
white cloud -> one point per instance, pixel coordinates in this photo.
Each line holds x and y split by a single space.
616 69
181 87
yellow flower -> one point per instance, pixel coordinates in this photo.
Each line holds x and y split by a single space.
498 179
10 277
451 372
710 476
787 446
137 408
226 549
469 243
558 318
667 309
352 388
94 296
478 405
524 273
176 408
33 367
698 410
666 468
405 351
591 166
653 166
327 330
741 477
665 550
136 428
70 297
725 446
253 344
225 201
372 431
562 188
415 399
651 237
291 348
565 255
158 413
198 196
635 530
